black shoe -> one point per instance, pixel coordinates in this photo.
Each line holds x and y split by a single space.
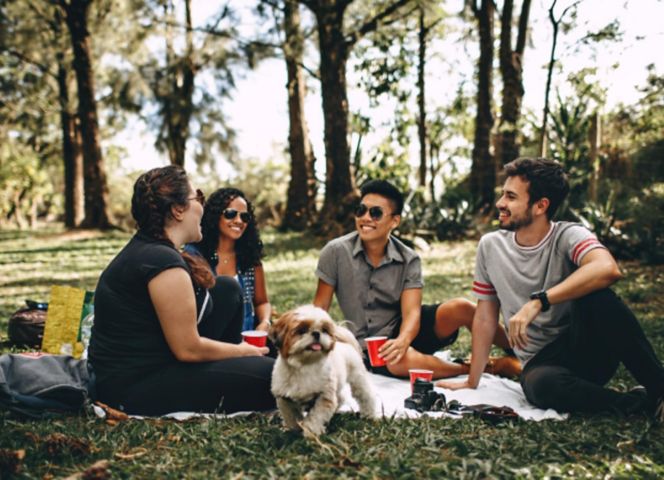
634 402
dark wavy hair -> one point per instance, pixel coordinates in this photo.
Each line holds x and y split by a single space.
248 248
546 178
155 192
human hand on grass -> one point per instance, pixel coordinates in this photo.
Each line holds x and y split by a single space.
393 350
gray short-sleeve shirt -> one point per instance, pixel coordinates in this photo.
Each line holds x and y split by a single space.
369 297
508 273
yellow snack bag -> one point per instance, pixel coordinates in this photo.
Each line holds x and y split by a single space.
63 320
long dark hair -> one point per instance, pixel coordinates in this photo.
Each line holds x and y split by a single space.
248 248
155 192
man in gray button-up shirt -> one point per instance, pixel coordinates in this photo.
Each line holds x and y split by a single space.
378 283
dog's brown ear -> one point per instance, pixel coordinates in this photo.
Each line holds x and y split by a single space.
278 330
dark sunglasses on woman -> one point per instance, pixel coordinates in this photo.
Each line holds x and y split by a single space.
376 213
231 213
200 197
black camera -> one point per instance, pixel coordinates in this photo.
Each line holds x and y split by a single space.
424 399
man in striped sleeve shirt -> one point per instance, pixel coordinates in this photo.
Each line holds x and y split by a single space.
550 282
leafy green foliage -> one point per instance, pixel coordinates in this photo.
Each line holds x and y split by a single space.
449 218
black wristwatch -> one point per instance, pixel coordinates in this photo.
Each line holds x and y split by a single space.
543 298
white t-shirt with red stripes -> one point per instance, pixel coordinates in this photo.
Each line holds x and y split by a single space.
508 273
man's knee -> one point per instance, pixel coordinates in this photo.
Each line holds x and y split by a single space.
458 309
546 386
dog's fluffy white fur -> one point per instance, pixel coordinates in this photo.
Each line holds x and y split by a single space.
316 360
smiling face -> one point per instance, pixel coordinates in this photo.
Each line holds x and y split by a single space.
514 211
371 229
233 228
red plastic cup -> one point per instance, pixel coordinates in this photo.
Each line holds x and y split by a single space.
257 338
416 373
373 344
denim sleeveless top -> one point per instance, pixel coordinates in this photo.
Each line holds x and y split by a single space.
247 281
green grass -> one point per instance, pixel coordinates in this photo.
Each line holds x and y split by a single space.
256 447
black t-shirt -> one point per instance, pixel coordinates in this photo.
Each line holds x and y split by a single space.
127 340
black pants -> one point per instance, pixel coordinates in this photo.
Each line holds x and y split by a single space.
569 374
230 385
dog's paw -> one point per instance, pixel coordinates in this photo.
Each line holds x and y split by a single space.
312 429
292 427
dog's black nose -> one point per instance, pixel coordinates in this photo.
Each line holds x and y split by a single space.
316 335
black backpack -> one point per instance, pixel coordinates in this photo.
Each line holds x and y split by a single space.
26 325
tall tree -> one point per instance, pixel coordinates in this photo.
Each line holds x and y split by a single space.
424 29
335 45
96 188
189 121
511 69
555 24
72 154
27 28
177 99
301 197
483 169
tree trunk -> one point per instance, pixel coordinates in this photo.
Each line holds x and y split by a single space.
178 102
301 202
555 23
422 114
71 153
511 69
96 189
340 193
483 171
595 139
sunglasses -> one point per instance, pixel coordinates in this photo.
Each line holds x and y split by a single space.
376 213
231 213
200 197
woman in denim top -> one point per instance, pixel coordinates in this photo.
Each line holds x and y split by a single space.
232 246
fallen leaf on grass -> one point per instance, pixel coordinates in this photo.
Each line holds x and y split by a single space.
58 444
113 416
10 461
96 471
135 453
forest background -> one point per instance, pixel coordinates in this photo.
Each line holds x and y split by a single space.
428 94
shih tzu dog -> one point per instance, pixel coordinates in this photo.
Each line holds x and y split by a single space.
316 360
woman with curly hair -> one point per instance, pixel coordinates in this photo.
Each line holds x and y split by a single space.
232 246
166 334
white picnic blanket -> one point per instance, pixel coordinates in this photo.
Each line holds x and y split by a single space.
391 393
493 390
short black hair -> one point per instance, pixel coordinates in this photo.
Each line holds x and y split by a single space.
385 189
546 179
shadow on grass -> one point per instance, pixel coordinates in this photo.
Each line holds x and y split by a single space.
78 282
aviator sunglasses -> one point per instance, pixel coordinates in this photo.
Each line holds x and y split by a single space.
231 213
200 197
376 213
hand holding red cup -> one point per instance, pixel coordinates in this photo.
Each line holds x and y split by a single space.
258 338
373 344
